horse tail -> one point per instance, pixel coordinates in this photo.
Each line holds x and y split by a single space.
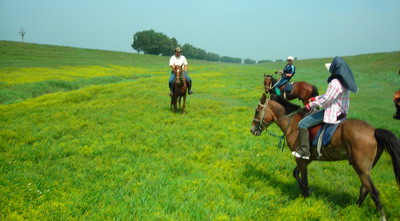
314 91
387 139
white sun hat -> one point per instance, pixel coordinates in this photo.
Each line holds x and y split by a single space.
290 58
328 65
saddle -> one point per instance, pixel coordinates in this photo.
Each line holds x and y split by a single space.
321 135
287 87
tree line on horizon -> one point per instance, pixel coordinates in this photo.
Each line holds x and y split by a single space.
157 43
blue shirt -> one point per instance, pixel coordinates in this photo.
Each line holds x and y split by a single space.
289 69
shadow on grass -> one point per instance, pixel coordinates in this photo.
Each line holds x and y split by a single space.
292 189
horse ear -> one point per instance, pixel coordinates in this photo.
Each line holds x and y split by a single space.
265 75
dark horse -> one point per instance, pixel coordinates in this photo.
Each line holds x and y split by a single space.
179 88
301 90
354 140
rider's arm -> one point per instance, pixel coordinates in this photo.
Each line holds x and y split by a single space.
333 91
172 62
185 63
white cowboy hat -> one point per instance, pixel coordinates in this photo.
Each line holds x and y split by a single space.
328 65
290 58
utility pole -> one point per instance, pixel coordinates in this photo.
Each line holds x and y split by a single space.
22 33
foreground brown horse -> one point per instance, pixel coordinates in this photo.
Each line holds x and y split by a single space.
354 140
179 88
301 90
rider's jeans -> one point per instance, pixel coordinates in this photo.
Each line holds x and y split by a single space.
281 82
312 120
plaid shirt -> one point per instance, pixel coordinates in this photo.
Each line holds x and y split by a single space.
335 101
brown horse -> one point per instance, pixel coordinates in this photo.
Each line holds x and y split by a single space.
301 90
396 100
179 88
354 140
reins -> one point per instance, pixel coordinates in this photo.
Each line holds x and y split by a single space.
282 138
270 87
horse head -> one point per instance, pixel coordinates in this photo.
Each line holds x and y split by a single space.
178 70
263 116
269 81
271 109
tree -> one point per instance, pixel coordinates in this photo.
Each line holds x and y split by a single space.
192 52
151 42
249 61
228 59
212 57
264 61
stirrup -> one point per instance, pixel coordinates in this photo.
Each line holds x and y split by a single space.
295 154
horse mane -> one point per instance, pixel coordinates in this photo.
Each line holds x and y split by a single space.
288 106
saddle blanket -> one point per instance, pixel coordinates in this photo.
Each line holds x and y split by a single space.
328 133
288 87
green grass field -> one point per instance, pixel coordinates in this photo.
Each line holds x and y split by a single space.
89 135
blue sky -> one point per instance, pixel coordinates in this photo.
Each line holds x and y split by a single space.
253 29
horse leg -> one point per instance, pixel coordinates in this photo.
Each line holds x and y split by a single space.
296 175
363 194
184 103
368 186
364 190
363 170
179 100
175 100
303 181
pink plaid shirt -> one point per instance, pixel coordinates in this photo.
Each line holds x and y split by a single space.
335 101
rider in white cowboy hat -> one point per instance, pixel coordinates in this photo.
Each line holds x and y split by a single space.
178 60
287 73
335 102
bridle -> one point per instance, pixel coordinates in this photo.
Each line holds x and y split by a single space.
268 87
180 76
264 125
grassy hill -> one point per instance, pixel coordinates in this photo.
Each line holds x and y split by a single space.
88 134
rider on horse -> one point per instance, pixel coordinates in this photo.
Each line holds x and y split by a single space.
179 60
335 102
287 73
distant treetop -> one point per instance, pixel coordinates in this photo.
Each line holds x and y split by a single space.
157 43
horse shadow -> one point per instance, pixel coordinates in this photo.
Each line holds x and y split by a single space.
292 189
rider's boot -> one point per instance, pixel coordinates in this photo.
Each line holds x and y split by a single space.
190 88
303 151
